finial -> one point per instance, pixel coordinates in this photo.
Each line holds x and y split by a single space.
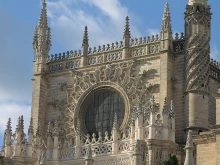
85 37
31 128
89 152
115 123
127 28
56 129
165 107
171 109
152 105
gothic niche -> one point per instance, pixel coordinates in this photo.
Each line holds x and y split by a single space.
99 108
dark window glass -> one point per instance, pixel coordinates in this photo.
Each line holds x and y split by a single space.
101 110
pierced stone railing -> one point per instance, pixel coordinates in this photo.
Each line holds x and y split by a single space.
64 65
215 70
179 43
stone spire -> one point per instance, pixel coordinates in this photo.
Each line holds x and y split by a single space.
42 39
166 21
18 127
8 129
85 47
166 30
85 38
43 16
189 160
127 34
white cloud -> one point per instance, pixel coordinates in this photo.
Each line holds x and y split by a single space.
105 20
14 110
215 53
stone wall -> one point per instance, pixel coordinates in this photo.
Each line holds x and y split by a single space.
206 154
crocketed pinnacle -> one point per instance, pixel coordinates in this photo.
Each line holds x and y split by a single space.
165 107
171 109
18 127
127 29
85 38
56 129
9 126
43 16
31 128
166 21
152 105
22 123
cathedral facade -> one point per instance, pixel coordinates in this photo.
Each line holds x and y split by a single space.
132 102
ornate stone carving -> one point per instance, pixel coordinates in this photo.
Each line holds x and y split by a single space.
197 48
120 75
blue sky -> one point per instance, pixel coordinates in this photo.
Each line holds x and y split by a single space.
67 19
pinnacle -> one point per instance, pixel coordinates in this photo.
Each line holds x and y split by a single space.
166 11
85 37
152 105
171 109
19 124
127 27
43 16
9 125
165 107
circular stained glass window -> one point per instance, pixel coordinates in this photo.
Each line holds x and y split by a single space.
102 106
